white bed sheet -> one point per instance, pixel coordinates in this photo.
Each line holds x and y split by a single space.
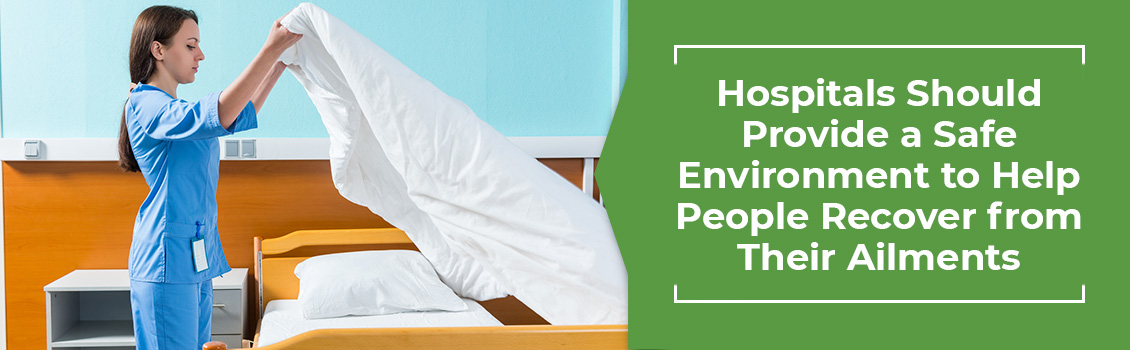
283 319
490 218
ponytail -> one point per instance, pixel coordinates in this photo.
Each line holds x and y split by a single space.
126 160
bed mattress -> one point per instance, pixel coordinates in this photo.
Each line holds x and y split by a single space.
283 319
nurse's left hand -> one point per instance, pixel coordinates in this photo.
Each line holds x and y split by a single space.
279 37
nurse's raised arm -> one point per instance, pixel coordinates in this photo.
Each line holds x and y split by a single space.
266 85
259 76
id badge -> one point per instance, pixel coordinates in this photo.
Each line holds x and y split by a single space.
199 255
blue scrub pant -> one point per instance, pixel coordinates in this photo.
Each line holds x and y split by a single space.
171 316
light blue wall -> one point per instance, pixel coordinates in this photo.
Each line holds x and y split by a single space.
529 68
623 49
623 42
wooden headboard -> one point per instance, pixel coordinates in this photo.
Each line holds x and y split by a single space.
277 257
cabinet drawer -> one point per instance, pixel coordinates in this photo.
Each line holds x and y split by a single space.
227 311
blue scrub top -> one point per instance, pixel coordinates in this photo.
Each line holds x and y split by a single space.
176 146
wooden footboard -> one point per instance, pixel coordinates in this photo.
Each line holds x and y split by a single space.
274 268
463 338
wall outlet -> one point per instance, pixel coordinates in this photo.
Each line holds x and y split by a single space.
231 149
247 149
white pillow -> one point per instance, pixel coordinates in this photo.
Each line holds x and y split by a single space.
371 283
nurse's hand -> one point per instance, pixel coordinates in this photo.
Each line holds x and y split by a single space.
257 79
279 39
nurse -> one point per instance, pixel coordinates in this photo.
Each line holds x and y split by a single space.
176 248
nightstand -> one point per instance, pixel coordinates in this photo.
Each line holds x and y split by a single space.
91 309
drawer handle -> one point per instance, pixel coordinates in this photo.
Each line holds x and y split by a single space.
219 305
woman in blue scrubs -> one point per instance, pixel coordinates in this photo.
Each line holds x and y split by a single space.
176 248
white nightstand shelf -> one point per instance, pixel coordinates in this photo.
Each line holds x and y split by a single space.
91 309
96 334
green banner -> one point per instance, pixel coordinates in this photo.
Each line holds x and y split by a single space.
871 175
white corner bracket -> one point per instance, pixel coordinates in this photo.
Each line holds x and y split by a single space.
1082 300
1082 48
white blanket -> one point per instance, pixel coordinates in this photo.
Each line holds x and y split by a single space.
492 219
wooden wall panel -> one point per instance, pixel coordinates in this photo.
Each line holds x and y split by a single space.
61 216
595 186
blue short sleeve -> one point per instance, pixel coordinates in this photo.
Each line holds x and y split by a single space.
177 119
246 120
180 120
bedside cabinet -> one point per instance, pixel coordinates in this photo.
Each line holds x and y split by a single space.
90 309
228 293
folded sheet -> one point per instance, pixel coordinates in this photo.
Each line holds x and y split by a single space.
490 218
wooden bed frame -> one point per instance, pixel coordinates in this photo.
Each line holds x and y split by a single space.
274 269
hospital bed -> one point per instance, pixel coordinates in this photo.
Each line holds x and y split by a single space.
278 288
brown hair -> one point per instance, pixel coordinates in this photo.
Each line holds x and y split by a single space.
156 23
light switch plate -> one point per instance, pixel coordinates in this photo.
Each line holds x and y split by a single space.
248 149
32 149
231 148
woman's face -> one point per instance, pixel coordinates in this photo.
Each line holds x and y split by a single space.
183 55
